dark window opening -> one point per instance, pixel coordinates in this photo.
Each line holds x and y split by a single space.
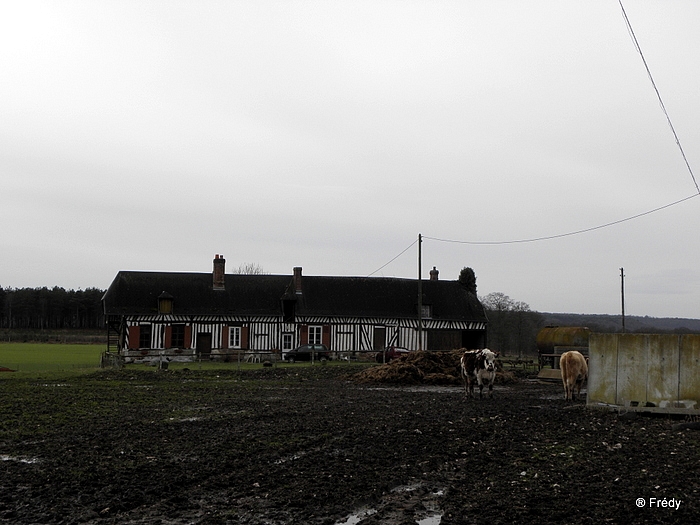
145 336
288 307
178 336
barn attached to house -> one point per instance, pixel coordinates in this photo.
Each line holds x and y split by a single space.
215 315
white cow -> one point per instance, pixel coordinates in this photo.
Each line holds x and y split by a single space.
478 366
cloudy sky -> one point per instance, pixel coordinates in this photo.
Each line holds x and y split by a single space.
152 135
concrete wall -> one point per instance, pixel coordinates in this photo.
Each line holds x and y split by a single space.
655 371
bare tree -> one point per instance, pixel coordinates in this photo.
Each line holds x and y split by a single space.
249 269
512 325
498 305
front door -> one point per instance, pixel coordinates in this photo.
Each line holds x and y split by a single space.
379 338
204 345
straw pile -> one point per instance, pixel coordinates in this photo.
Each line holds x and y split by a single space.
423 368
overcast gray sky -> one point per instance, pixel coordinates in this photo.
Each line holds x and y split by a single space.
152 135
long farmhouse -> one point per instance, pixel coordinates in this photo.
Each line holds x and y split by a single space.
218 314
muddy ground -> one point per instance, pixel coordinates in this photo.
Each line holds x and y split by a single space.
312 445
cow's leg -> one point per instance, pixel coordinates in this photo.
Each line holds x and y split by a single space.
563 366
579 384
491 390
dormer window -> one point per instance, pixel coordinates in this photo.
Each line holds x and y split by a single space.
165 303
426 311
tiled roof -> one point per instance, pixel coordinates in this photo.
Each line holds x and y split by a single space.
136 293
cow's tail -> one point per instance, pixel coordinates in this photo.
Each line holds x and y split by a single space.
564 367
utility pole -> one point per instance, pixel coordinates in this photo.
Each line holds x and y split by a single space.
420 296
622 281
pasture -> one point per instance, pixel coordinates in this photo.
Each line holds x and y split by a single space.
309 444
30 358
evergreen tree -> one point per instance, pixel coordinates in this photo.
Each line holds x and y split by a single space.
467 278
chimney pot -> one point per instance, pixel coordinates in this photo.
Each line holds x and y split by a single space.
434 274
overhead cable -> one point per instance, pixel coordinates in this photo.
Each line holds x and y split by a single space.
586 230
658 95
577 232
391 261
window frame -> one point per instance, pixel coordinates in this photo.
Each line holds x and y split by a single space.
235 333
315 334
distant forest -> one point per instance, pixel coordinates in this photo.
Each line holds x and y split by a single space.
633 323
51 308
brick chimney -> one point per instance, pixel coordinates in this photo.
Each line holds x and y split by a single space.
434 274
297 279
219 272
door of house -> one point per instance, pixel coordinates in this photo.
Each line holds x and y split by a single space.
287 342
204 345
379 338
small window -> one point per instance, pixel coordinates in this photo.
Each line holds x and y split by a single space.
165 303
145 336
287 342
315 334
426 311
234 336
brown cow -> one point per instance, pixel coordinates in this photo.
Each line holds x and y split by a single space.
574 372
478 366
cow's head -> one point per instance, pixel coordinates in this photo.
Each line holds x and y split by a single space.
489 358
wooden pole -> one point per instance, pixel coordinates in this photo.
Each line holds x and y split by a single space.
622 286
420 296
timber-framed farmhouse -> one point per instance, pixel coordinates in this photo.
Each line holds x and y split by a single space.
216 315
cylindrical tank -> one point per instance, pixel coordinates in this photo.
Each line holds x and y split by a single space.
551 336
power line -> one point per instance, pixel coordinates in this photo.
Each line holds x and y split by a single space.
391 261
586 230
658 95
558 236
537 239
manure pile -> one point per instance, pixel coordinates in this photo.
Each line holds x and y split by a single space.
424 368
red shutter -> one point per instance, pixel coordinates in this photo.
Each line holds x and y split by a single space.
168 336
134 334
244 337
224 337
304 334
326 335
188 336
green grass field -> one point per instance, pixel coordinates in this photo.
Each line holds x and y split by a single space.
37 357
30 359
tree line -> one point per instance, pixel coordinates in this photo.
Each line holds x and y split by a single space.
513 327
51 308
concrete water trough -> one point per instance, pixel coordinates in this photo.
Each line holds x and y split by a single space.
645 372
